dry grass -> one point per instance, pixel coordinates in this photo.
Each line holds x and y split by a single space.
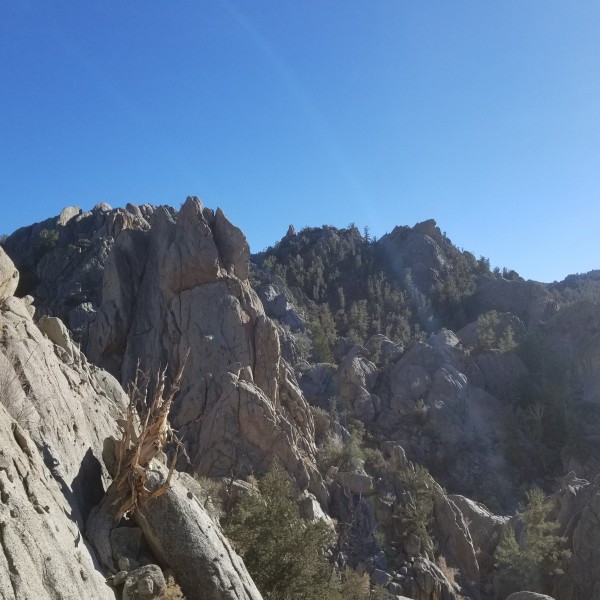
213 491
450 573
173 591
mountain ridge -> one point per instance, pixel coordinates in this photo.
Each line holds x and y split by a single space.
361 365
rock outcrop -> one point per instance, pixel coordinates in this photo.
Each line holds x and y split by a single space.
433 401
182 284
61 260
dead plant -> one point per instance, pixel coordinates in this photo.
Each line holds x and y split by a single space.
144 435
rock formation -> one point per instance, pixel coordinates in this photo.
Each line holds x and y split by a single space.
183 284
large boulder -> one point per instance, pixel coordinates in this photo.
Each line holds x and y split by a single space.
181 535
484 527
356 377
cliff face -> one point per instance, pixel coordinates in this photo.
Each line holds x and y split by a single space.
182 286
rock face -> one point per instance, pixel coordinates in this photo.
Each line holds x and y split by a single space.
61 260
182 284
423 249
356 378
51 477
528 300
183 536
578 507
433 400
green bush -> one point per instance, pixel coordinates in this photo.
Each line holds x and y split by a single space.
345 456
48 239
284 554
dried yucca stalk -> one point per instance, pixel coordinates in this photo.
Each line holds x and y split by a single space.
143 437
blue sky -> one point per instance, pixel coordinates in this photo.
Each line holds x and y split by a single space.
482 115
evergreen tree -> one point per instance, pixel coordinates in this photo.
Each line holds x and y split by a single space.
283 553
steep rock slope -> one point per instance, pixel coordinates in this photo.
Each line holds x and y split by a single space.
50 477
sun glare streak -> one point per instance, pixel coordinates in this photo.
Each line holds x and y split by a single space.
303 100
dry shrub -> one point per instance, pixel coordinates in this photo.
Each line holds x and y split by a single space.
213 491
449 572
173 591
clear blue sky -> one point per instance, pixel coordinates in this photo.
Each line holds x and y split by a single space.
483 115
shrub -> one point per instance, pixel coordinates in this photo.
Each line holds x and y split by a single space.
173 591
375 463
486 330
351 586
345 456
322 422
284 554
48 239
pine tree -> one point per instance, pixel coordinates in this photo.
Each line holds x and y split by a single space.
541 555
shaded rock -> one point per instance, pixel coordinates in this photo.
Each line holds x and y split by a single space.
318 383
232 244
528 596
126 542
356 377
584 567
379 577
484 527
356 483
427 391
455 536
145 583
528 300
412 545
